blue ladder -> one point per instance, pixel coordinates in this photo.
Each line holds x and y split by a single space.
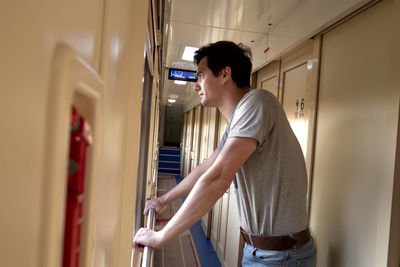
169 161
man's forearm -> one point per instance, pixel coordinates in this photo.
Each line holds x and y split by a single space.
183 188
201 199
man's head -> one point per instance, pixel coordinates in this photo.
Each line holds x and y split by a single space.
227 54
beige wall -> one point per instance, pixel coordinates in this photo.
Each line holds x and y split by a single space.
110 42
355 139
197 132
268 78
122 68
188 141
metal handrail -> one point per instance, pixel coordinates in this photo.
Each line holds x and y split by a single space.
146 260
147 249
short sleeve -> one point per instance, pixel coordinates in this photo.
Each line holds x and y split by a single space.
254 118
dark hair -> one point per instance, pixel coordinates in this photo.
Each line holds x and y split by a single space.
225 53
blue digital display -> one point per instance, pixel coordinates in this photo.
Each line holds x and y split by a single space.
182 75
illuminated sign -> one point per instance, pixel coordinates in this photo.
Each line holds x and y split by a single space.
182 75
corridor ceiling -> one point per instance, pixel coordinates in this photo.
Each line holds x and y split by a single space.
268 27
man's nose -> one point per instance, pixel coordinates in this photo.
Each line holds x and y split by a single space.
196 86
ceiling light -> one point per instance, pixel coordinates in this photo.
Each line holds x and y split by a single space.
188 53
171 100
173 96
180 82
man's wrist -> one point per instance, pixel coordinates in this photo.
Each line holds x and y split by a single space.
163 199
161 236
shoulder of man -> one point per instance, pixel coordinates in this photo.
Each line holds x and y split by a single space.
258 97
262 93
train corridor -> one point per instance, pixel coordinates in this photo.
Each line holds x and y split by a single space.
94 93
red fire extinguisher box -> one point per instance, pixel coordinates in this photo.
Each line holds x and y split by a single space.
80 139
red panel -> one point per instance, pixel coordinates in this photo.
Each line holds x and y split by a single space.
80 140
73 226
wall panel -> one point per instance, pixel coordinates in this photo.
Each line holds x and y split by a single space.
209 118
217 209
355 142
197 131
189 140
101 39
299 70
31 33
268 78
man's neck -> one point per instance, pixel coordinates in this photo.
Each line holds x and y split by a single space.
232 99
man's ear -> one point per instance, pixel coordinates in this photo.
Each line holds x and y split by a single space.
226 73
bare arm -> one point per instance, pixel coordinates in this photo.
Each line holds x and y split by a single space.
207 190
183 188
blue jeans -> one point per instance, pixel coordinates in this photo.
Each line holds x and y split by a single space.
304 256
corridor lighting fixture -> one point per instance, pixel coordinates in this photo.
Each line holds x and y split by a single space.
180 82
173 96
188 53
170 100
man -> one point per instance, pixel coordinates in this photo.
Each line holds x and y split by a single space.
260 152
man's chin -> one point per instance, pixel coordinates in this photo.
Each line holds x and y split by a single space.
204 103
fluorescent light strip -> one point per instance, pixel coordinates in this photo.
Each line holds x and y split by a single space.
180 82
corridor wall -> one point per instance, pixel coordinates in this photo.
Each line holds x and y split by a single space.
106 40
355 149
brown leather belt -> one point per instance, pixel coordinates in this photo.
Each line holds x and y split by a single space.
283 242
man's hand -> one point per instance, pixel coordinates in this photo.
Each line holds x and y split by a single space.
147 237
157 204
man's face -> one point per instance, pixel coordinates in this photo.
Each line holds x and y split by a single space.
207 86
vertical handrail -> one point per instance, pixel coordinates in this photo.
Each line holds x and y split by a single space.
147 249
150 222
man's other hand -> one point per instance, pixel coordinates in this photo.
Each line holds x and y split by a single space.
147 237
157 204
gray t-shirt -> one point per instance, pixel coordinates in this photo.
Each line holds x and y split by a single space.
272 183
